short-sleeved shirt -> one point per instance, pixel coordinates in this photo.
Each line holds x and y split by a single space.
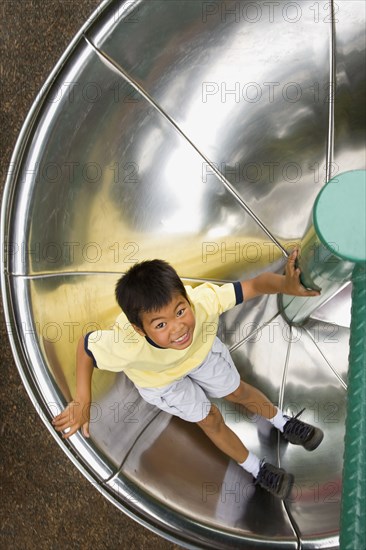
121 348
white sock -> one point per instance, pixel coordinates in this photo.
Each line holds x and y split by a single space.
251 464
279 420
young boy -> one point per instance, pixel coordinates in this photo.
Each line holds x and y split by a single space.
164 347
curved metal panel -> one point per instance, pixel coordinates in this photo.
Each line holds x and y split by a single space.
74 179
257 105
350 89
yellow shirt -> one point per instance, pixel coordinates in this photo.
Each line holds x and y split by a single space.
122 349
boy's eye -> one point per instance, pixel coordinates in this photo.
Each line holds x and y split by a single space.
180 312
160 325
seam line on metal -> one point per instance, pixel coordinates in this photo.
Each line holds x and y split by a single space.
334 371
332 91
96 273
254 331
280 406
132 446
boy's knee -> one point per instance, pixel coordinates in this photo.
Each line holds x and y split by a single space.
212 421
239 393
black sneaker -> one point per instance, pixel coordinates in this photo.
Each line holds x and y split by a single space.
274 480
300 433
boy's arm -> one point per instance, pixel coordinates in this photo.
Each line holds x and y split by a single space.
272 283
77 413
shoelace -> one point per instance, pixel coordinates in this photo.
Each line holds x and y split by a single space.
299 429
269 478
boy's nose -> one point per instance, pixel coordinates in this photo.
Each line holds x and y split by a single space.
177 328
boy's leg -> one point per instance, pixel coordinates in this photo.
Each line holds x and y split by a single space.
253 400
273 479
293 429
222 436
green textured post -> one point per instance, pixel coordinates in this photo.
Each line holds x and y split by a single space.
353 512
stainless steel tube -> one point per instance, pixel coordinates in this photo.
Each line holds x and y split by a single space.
332 246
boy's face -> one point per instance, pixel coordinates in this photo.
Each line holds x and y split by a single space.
171 326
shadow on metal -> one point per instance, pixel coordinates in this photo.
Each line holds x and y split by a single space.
200 132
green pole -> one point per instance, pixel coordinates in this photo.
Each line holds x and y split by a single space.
353 510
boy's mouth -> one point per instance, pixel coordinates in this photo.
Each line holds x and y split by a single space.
182 339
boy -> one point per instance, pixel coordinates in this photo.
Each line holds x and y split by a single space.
164 347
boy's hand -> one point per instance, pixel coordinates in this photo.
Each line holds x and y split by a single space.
292 283
75 416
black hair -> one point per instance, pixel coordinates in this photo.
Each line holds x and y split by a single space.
147 286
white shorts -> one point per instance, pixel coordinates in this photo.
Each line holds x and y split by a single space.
188 397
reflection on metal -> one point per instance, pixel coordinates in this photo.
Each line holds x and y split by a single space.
209 164
102 178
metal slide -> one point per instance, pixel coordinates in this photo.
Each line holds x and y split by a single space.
200 132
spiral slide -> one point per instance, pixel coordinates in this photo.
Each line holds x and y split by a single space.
200 132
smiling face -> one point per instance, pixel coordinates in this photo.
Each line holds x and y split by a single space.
171 326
